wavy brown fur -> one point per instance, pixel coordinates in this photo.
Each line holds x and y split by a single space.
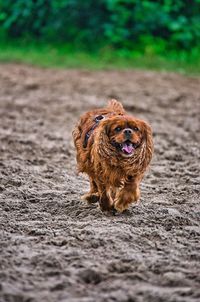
114 177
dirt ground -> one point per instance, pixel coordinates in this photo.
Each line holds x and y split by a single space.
55 247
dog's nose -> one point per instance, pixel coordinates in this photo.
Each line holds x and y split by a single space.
128 131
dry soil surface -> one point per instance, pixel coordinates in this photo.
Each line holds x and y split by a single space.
55 247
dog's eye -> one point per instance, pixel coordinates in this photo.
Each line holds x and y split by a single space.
118 129
136 129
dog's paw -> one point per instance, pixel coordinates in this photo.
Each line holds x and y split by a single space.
121 206
105 205
91 197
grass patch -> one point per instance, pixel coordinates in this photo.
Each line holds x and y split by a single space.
62 56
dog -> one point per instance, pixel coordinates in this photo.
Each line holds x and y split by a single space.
114 149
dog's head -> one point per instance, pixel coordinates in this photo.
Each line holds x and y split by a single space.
126 136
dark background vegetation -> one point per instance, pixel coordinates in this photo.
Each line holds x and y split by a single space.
130 28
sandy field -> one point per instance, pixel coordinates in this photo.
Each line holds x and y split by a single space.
54 246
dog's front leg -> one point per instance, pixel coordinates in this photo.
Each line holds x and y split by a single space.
93 195
105 201
127 194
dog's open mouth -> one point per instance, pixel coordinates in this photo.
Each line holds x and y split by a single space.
127 147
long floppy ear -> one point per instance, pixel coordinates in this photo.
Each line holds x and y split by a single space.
147 132
102 137
116 107
105 129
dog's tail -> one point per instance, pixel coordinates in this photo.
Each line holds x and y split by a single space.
116 106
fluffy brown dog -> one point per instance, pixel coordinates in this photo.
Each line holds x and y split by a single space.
114 149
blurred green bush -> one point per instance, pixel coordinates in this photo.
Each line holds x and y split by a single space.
92 24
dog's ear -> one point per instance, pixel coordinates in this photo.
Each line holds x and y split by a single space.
106 129
147 135
101 139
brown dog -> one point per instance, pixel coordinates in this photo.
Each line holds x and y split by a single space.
114 149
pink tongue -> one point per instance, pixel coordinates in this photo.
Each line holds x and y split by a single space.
127 148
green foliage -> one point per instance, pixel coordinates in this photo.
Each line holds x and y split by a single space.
91 24
64 56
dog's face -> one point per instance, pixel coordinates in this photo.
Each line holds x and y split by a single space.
126 134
